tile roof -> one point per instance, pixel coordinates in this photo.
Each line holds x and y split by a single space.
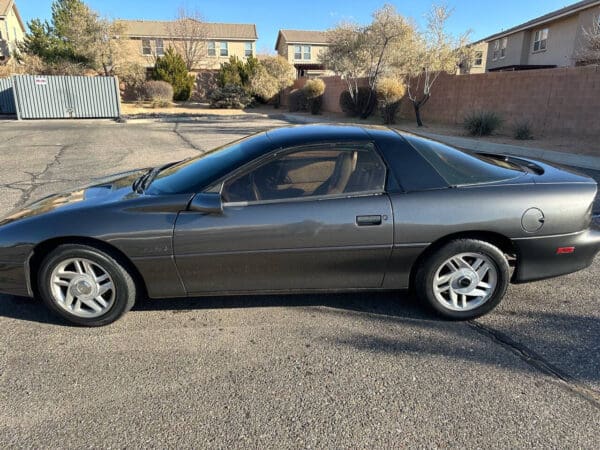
570 9
156 28
302 37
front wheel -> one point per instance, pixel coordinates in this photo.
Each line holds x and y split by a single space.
464 279
85 285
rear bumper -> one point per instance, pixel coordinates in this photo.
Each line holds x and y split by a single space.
538 258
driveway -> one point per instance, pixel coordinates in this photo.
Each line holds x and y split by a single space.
361 370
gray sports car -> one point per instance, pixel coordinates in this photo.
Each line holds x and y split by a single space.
304 209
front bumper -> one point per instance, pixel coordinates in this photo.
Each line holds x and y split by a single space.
538 257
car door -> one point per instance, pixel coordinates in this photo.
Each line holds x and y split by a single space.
314 217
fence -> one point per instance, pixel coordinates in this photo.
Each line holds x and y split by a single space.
553 101
60 97
7 98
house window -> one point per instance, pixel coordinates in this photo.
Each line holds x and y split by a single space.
306 51
503 45
146 47
223 49
297 52
540 40
496 49
212 49
248 49
478 60
160 49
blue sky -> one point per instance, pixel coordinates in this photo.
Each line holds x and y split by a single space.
483 17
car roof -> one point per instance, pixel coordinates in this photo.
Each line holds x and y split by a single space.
306 134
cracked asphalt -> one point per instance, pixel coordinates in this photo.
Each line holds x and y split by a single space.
311 371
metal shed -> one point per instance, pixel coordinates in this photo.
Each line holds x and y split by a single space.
7 99
66 97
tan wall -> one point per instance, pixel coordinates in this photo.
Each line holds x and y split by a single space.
555 101
331 97
236 48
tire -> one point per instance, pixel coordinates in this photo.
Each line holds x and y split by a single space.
85 285
464 279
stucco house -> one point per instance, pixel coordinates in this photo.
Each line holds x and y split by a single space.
12 29
551 40
147 39
302 49
478 60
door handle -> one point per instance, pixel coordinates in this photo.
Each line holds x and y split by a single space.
363 221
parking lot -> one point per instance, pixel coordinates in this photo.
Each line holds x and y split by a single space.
359 370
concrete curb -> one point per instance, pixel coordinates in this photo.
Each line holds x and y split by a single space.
568 159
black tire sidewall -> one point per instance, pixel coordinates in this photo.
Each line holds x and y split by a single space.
124 286
426 274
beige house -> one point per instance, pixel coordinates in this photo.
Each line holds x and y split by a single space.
478 59
12 28
302 49
552 40
148 39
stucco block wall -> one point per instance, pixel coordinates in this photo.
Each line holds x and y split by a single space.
554 101
334 86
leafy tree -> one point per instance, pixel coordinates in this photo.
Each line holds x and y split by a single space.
367 51
281 73
589 53
263 85
172 68
188 34
431 52
389 94
231 72
76 35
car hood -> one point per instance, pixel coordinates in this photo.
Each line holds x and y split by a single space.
101 190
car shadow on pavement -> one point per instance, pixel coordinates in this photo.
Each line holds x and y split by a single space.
398 304
432 335
401 304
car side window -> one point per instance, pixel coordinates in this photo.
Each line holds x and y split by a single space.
310 172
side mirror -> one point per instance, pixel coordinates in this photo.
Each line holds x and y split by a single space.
207 203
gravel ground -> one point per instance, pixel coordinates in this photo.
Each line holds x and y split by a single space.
360 370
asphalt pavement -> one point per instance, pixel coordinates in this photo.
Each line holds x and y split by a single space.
307 371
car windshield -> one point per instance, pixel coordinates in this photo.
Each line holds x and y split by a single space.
459 168
193 175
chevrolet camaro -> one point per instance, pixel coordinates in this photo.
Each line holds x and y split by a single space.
304 209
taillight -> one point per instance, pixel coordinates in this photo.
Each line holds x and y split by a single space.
564 250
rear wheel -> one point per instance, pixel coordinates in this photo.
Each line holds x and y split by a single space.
85 285
464 279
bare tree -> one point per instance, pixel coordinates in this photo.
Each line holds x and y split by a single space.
188 34
590 50
432 51
356 51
